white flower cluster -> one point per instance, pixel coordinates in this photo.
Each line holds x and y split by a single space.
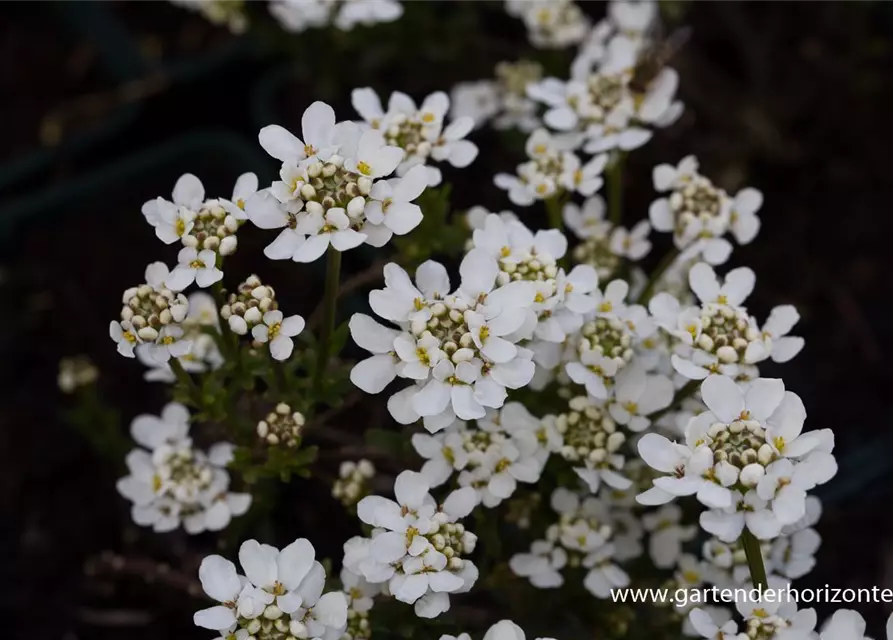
228 13
75 373
245 308
152 318
699 214
280 597
352 484
552 169
173 483
551 24
459 348
582 537
332 188
746 459
502 630
417 546
419 131
206 228
506 447
502 101
607 100
282 426
299 15
204 354
603 245
719 336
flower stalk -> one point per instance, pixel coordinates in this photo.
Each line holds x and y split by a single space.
333 277
754 560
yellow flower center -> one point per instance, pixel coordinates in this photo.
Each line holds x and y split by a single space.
240 203
605 306
505 252
197 264
428 118
129 337
274 330
364 168
180 227
156 483
309 150
422 356
485 333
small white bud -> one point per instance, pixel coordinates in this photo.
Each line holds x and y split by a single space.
228 245
356 206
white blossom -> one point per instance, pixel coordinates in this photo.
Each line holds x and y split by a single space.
418 546
280 593
299 15
170 482
278 331
551 24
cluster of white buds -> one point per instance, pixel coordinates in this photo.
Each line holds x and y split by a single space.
503 99
589 433
551 24
246 306
228 13
282 426
553 168
75 373
419 131
204 353
699 214
171 481
151 315
352 484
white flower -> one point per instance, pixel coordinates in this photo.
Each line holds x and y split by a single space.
552 168
320 137
419 131
667 535
846 624
637 395
542 566
151 317
281 588
173 220
551 24
245 187
707 627
373 374
771 616
699 213
444 453
194 266
333 228
777 326
458 348
171 483
278 331
418 549
300 15
633 244
390 208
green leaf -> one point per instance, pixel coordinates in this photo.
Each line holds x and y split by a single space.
339 339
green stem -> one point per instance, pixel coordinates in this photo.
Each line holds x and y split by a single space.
665 263
553 210
333 275
186 381
615 189
754 560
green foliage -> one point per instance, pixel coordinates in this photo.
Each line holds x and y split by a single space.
436 235
263 461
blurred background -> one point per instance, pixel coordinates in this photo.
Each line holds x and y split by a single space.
104 105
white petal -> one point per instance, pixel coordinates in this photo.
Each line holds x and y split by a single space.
723 397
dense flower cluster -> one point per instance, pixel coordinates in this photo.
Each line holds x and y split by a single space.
332 188
459 348
280 596
553 373
173 483
417 546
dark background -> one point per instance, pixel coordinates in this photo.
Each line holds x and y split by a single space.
792 98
